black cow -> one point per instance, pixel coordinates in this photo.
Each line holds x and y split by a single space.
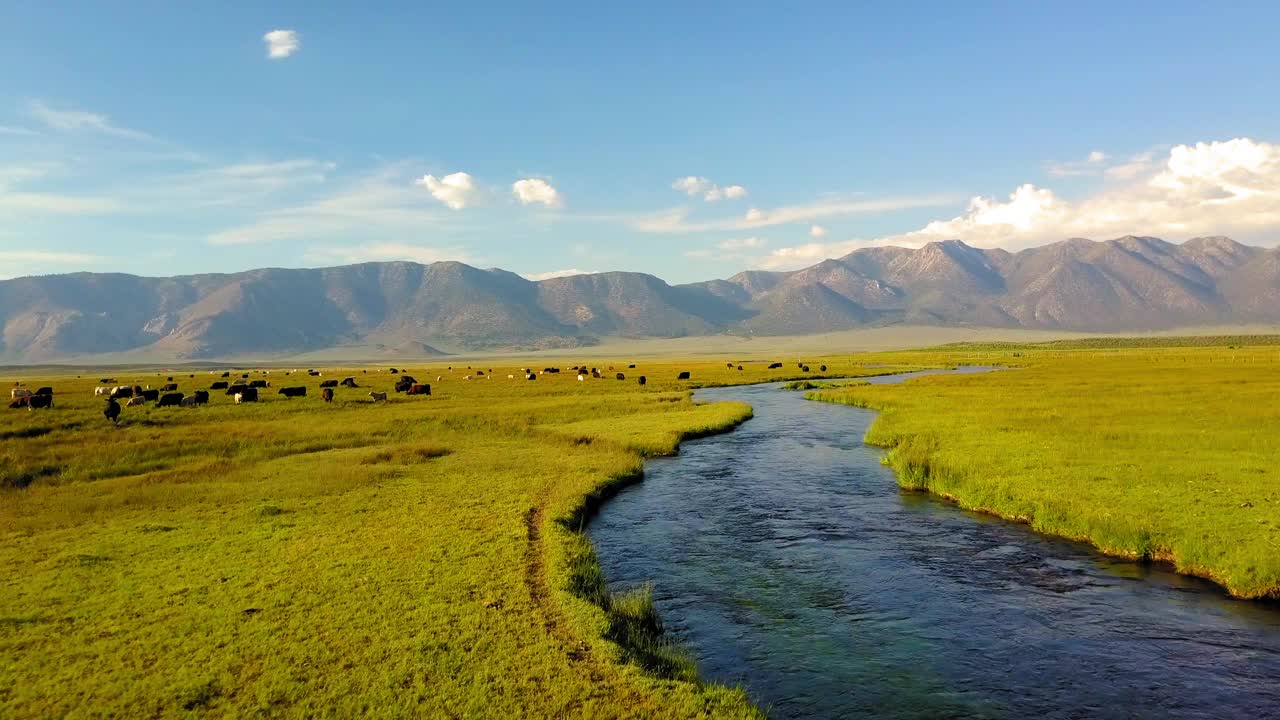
408 378
642 380
394 371
530 376
104 381
17 403
313 373
259 384
403 386
632 366
150 395
329 384
173 399
44 391
773 366
137 390
292 392
739 368
36 402
683 376
248 395
112 412
327 394
170 387
202 397
121 392
729 365
348 382
220 385
804 368
244 376
823 368
620 376
225 375
170 378
237 388
417 389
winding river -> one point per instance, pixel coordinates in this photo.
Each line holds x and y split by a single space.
785 557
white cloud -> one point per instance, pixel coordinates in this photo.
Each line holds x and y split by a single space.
1093 164
754 215
694 185
383 252
456 190
530 191
281 43
75 120
817 231
676 220
747 243
1215 188
1097 156
554 274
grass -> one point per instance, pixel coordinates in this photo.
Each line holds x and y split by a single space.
422 556
1165 450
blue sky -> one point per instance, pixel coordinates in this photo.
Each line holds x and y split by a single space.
686 140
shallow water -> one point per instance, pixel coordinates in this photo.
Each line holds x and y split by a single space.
784 555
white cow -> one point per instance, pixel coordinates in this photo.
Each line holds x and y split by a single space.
511 377
439 378
239 396
582 378
100 391
17 393
466 377
378 396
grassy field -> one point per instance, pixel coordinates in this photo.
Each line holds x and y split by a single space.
416 557
1160 448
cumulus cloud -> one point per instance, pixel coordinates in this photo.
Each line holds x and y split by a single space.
77 120
382 252
554 274
281 43
693 186
536 191
817 231
1217 188
456 190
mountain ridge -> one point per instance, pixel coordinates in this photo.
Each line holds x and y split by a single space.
1132 283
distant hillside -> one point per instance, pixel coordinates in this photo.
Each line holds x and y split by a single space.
1127 284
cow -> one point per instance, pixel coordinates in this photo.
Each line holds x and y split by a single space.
293 392
466 377
530 376
149 395
170 378
329 384
19 393
378 396
403 386
173 399
513 377
683 376
189 401
620 376
122 391
804 368
112 411
480 373
45 391
39 401
19 403
642 380
100 391
774 366
439 378
137 389
236 389
244 376
313 373
202 397
408 378
136 402
348 382
106 381
417 389
327 395
225 375
729 365
169 387
394 371
632 366
247 395
259 384
823 368
582 378
220 385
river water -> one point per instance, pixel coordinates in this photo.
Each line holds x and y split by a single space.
786 558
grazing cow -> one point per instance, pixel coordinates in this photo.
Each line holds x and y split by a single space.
19 403
173 399
632 366
225 375
259 384
247 395
236 389
220 385
739 368
823 368
683 376
150 395
112 412
408 378
378 396
121 392
394 371
327 395
582 378
244 376
439 378
417 389
36 402
728 365
774 366
136 401
466 377
100 391
313 373
19 393
348 382
403 386
804 368
170 378
137 389
530 376
292 392
202 397
329 383
170 387
513 377
189 401
620 376
45 391
480 373
642 380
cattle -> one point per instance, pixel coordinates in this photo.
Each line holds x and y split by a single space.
202 397
327 394
394 371
100 391
466 377
112 411
173 399
313 373
632 366
19 393
259 384
620 376
804 368
104 381
36 402
220 385
530 376
136 401
44 391
170 378
121 392
348 382
137 389
683 376
823 368
582 378
329 384
244 376
774 366
402 386
236 389
225 375
439 378
408 378
169 387
18 403
480 373
292 392
150 395
189 401
513 377
378 396
642 380
739 368
247 395
417 389
729 365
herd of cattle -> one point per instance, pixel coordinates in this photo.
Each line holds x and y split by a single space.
244 390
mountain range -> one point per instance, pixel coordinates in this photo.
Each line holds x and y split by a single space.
408 309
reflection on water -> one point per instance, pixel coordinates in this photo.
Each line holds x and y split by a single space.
784 555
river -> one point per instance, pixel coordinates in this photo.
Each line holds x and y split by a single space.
787 559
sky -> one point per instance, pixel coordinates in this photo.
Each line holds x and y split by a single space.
687 140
